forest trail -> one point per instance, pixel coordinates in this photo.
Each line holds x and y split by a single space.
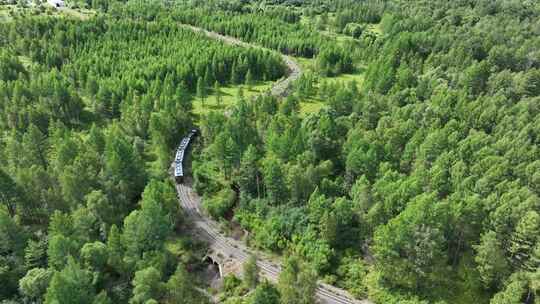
234 251
281 86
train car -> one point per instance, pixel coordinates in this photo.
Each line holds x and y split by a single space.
178 173
179 157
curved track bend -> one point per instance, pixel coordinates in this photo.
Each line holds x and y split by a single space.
208 230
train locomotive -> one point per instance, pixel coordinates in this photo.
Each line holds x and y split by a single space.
179 158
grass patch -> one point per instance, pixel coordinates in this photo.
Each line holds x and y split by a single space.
357 76
375 28
5 12
8 12
229 97
315 104
305 63
311 106
83 14
4 16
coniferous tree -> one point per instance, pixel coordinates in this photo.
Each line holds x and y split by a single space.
115 250
34 284
251 272
492 264
249 80
10 193
147 286
297 283
218 94
71 285
201 90
525 238
265 293
180 287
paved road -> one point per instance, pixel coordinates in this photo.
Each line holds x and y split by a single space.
229 248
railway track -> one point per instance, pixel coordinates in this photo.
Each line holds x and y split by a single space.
209 230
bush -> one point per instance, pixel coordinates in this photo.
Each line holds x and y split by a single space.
219 204
334 61
354 30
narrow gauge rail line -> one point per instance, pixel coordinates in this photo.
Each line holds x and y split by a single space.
230 248
209 230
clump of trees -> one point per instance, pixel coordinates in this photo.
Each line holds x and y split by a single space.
260 28
333 61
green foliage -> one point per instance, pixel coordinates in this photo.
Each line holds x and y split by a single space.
221 203
60 249
94 255
513 292
146 286
297 282
491 261
35 253
354 30
115 250
333 61
251 272
180 288
34 284
11 196
411 246
231 285
431 165
265 293
525 238
274 180
270 32
249 178
10 66
146 229
71 285
353 272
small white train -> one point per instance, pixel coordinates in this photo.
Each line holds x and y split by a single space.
180 153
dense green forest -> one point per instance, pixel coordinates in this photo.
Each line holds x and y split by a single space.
90 112
420 184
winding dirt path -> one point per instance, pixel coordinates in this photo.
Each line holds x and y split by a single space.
281 87
235 251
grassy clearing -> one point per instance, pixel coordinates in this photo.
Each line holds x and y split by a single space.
375 28
8 12
358 76
311 22
5 12
83 14
229 97
329 31
4 16
315 104
311 106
